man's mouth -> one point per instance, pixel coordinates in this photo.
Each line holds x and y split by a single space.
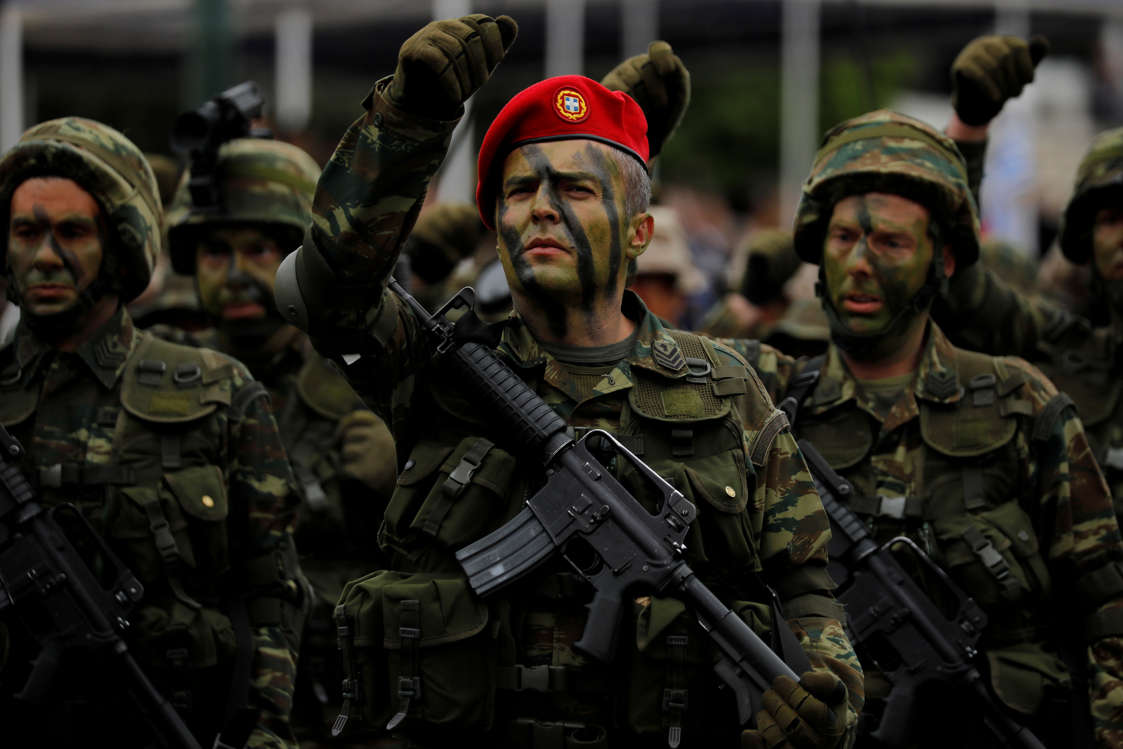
242 310
545 246
47 291
861 304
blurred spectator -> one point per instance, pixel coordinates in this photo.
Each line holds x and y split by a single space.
665 272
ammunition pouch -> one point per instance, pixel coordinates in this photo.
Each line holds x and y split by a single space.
1025 676
416 648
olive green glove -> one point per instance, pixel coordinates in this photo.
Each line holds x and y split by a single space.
367 450
810 714
444 235
660 84
989 71
445 62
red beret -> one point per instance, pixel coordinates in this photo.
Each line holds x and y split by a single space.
567 107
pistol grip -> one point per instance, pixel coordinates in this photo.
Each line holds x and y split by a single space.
44 670
599 638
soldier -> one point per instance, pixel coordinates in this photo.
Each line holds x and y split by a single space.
666 276
171 452
562 179
978 459
342 454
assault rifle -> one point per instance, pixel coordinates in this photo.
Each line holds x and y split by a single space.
72 593
587 516
892 617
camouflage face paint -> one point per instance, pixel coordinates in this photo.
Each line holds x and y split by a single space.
877 257
55 244
559 225
234 270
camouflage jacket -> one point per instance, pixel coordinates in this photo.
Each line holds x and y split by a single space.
979 454
173 455
759 516
1084 361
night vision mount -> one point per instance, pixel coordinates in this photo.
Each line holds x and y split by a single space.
201 132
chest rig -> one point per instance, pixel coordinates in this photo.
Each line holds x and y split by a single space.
969 483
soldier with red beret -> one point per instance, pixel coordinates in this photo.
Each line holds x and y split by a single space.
563 181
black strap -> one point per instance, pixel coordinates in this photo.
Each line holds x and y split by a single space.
800 386
675 693
1047 419
993 560
167 547
350 690
249 392
454 485
409 677
240 718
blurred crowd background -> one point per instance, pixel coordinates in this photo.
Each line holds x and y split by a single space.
768 77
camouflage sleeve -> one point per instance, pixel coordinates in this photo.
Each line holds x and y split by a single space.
262 487
793 531
975 154
366 202
1081 534
1017 325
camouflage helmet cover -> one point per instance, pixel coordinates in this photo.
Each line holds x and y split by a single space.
260 181
113 170
1100 173
884 151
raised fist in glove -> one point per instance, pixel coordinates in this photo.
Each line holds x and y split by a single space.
810 714
660 84
989 71
367 450
445 62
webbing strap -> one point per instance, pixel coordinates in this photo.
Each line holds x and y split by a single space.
60 474
409 679
454 485
349 689
675 693
995 563
800 386
167 547
776 423
1047 419
887 505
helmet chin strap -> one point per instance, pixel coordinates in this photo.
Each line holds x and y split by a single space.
878 344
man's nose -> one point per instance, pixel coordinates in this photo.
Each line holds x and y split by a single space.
858 260
544 208
47 256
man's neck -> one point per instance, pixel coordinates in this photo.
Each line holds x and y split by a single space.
901 360
101 313
600 325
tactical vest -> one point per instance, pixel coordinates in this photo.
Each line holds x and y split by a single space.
968 514
164 510
423 653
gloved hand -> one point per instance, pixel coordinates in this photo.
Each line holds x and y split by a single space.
367 451
660 84
445 62
989 71
810 714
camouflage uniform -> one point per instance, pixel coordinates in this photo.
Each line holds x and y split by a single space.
689 408
1082 359
269 184
978 459
172 454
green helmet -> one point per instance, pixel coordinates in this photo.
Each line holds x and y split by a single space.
1099 173
113 170
260 181
885 151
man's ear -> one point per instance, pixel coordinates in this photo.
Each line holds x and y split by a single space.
949 262
643 229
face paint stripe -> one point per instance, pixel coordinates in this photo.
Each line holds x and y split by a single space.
615 256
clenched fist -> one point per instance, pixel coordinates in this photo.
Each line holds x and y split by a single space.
809 714
989 71
445 62
660 84
367 450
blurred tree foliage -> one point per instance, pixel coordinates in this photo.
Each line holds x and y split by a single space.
729 140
